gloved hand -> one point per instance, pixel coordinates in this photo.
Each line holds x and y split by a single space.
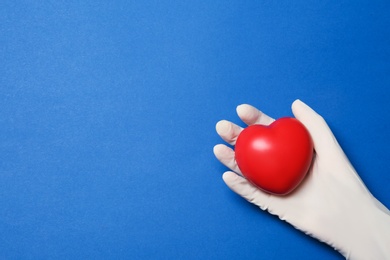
332 204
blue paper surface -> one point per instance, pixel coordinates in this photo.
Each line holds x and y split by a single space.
108 112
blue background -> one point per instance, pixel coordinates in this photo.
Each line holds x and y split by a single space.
108 109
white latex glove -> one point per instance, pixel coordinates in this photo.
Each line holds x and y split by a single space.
332 204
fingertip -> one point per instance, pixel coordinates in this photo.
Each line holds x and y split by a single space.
222 126
297 105
241 107
299 108
217 149
229 177
251 115
247 113
243 110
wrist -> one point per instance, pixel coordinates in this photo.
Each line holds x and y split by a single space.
368 234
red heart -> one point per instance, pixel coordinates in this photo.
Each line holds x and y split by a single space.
277 157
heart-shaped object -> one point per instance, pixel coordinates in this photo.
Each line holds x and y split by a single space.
277 157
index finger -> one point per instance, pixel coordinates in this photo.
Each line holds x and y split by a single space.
251 115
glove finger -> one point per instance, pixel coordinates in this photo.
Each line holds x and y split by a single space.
247 190
251 115
228 131
319 130
226 156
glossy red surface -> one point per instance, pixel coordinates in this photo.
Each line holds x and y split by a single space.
277 157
